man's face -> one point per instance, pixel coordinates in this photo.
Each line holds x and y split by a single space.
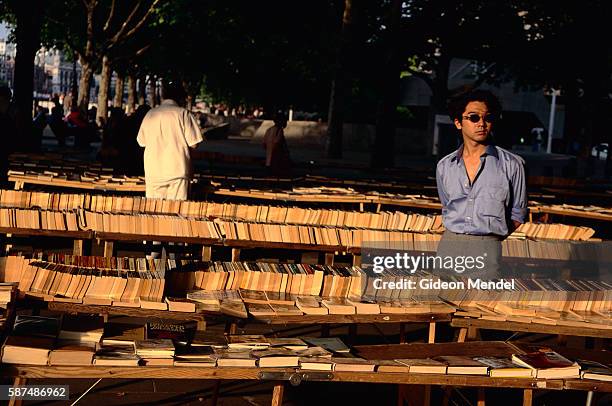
476 131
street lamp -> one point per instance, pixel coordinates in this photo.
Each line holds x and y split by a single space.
551 119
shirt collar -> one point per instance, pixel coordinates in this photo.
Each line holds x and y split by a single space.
169 102
490 150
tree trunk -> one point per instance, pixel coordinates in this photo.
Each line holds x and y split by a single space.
85 84
74 87
142 90
335 118
384 144
88 60
105 78
131 89
28 41
119 85
437 106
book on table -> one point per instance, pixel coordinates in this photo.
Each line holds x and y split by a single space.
276 358
82 328
315 351
290 343
460 365
247 342
392 366
122 333
179 304
154 348
595 371
28 350
352 364
116 355
504 368
36 326
238 359
423 365
72 353
316 363
332 344
548 364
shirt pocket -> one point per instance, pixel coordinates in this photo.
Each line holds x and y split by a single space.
493 202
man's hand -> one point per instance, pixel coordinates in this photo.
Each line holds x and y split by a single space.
515 225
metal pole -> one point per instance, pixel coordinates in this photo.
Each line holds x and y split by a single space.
551 121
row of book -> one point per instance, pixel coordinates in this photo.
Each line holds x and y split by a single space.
542 231
270 289
229 211
86 340
148 226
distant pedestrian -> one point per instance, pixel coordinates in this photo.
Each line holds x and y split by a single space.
39 123
278 161
56 121
168 133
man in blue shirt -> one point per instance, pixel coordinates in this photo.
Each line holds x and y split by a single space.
481 186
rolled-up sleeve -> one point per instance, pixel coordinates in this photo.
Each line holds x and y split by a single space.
519 193
440 184
193 135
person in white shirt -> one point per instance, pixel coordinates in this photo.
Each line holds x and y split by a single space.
168 133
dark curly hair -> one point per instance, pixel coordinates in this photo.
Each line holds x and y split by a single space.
456 105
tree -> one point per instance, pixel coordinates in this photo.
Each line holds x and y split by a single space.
439 31
335 119
94 29
27 32
383 153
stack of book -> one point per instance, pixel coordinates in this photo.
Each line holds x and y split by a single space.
31 340
155 352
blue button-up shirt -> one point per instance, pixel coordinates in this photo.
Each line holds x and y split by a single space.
497 195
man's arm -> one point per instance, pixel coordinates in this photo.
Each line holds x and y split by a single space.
193 135
440 184
519 194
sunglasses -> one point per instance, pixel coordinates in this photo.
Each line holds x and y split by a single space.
475 118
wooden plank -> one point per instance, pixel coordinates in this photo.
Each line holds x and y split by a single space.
283 245
527 397
462 335
588 385
277 394
85 235
104 236
126 311
355 318
481 397
18 381
40 372
530 328
74 184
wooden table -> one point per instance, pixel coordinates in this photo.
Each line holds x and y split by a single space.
279 376
465 323
21 180
571 213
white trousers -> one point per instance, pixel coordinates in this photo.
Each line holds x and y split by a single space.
176 189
